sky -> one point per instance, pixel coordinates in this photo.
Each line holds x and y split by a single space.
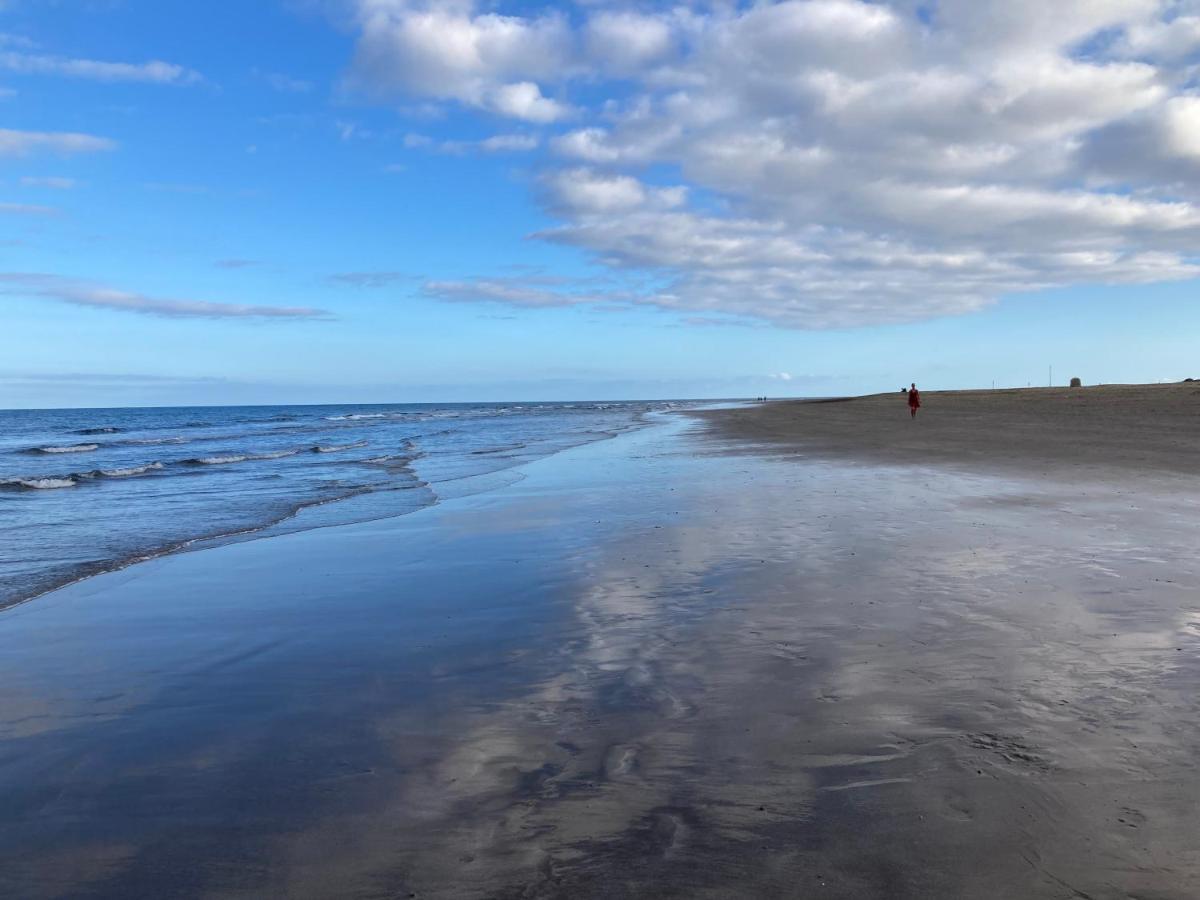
310 201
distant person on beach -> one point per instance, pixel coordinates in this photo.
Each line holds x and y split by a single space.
914 400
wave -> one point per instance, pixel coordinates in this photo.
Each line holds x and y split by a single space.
49 482
124 473
106 429
165 440
237 458
497 450
334 448
39 484
70 448
356 416
396 460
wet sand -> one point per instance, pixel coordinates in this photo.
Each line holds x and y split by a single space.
1090 430
658 666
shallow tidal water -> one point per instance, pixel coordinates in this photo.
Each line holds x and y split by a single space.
84 491
654 666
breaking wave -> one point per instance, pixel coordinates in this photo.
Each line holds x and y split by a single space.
124 473
70 448
237 458
335 448
39 484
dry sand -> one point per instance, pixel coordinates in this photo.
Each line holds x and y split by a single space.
1145 427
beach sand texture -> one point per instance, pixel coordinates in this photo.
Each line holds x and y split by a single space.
1153 427
696 661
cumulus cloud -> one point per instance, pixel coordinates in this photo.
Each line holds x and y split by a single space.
152 72
625 42
833 162
446 51
80 293
23 143
524 100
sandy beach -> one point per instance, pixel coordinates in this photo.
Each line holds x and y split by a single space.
1090 430
788 650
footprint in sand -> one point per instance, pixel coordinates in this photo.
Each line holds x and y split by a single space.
1130 817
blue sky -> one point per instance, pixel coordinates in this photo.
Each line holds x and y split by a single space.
374 200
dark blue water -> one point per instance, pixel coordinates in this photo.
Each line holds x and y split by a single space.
84 491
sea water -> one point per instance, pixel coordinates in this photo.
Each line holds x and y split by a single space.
88 490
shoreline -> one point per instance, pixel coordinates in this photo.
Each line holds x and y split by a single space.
641 670
1108 431
271 527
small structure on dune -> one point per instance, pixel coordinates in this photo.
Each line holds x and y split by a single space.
1076 382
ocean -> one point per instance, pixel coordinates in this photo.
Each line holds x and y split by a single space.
84 491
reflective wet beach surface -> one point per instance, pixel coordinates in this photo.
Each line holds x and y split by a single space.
655 667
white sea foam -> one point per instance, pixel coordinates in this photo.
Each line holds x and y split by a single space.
40 484
241 457
126 473
398 461
356 416
71 448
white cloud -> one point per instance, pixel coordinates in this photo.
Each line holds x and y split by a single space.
1167 40
153 72
509 143
368 279
625 42
513 291
53 182
523 100
585 191
16 40
23 143
837 162
27 209
79 293
448 52
498 143
285 84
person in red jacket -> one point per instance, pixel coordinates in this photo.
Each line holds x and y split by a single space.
914 400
